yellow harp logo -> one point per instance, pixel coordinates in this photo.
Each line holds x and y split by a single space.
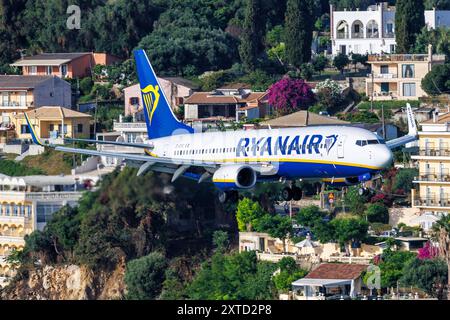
150 95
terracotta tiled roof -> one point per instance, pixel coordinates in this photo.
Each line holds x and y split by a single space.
442 119
55 112
209 98
337 271
302 119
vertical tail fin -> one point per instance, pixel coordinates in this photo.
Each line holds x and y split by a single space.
412 126
161 122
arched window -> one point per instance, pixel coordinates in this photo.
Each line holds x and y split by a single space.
372 29
357 30
342 30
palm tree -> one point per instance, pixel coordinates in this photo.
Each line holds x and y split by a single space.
442 229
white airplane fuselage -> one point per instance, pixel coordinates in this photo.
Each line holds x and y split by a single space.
304 152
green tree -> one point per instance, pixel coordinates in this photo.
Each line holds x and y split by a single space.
298 31
404 179
377 212
289 272
86 85
231 277
144 276
221 240
442 232
252 36
437 81
340 62
349 229
428 275
319 63
409 20
391 266
248 213
355 201
276 226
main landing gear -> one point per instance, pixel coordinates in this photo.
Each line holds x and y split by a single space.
228 196
291 193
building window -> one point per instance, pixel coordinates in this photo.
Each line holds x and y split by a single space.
384 69
80 128
134 101
342 30
408 71
52 127
389 29
45 212
63 70
409 89
49 70
372 29
392 48
32 70
24 129
343 49
385 87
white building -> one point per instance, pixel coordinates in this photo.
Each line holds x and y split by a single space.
27 203
372 31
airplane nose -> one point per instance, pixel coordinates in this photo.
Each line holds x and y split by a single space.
385 157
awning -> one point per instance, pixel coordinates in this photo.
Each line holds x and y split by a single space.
321 282
31 62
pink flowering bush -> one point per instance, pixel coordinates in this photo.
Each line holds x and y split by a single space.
428 252
288 95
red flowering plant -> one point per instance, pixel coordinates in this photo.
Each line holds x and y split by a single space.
289 95
428 252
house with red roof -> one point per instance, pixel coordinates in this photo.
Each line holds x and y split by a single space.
329 279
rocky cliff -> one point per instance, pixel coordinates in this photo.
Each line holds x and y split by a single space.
68 282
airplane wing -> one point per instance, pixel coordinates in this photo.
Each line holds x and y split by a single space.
114 143
412 131
177 167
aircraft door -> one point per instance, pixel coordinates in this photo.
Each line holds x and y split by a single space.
340 147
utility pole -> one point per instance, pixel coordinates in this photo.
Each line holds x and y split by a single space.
95 114
371 100
383 122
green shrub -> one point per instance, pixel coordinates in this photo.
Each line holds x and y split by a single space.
144 276
86 85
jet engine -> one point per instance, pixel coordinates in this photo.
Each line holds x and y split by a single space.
234 177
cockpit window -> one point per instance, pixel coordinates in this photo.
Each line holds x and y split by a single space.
373 142
382 141
361 143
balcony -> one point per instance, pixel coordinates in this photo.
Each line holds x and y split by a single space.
404 57
435 152
342 35
384 76
12 240
14 105
358 35
442 176
130 126
18 221
443 201
389 35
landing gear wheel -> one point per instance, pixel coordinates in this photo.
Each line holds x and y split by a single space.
287 194
222 197
228 196
297 193
233 196
363 191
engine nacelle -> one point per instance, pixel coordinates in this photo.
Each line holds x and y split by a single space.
234 177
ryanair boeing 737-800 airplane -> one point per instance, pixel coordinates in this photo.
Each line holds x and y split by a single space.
236 160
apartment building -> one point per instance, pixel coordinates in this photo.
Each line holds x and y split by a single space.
372 31
399 76
432 192
64 65
28 203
